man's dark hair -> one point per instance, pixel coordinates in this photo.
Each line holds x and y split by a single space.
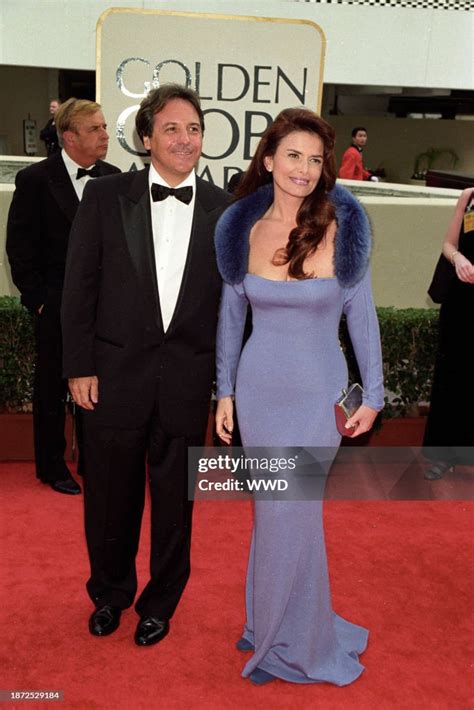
356 130
155 102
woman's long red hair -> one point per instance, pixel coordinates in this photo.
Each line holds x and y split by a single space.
316 212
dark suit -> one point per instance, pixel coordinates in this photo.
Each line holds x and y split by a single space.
50 137
154 386
41 213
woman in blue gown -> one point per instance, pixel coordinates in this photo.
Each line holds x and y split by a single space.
296 248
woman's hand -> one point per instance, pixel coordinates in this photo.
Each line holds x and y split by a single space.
464 268
361 421
225 419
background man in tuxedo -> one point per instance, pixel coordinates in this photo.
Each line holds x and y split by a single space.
49 133
139 316
44 204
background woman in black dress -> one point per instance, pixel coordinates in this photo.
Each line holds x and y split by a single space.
449 435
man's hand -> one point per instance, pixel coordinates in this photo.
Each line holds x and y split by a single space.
85 391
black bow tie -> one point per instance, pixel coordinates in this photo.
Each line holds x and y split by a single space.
161 192
92 172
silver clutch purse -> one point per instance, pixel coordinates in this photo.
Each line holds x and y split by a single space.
345 406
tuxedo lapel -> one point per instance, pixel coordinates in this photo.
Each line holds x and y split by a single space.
136 220
104 168
200 248
61 187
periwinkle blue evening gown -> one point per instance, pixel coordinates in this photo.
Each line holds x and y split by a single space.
286 380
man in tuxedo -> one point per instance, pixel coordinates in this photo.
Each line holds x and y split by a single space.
139 316
44 204
49 133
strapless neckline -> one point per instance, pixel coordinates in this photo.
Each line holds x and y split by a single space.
292 281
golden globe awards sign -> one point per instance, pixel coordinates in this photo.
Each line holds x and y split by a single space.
245 69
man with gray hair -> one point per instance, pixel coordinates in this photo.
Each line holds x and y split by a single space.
139 319
44 204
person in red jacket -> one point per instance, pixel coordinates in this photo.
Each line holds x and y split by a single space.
352 167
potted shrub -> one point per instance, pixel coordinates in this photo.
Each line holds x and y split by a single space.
17 356
426 161
16 379
409 343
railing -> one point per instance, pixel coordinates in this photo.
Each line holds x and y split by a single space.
362 188
11 164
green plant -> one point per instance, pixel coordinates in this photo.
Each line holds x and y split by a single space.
409 342
17 354
409 345
426 160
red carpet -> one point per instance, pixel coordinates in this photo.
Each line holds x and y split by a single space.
403 569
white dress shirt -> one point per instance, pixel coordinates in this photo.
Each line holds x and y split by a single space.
72 168
171 222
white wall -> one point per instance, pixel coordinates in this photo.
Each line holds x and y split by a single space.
372 45
408 233
6 285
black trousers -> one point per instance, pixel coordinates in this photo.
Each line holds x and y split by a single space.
49 396
114 493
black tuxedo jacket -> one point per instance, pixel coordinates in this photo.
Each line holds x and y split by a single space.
111 312
39 221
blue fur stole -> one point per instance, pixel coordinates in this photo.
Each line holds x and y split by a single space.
352 246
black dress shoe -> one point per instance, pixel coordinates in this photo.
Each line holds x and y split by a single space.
261 677
150 630
68 486
105 620
244 645
437 471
